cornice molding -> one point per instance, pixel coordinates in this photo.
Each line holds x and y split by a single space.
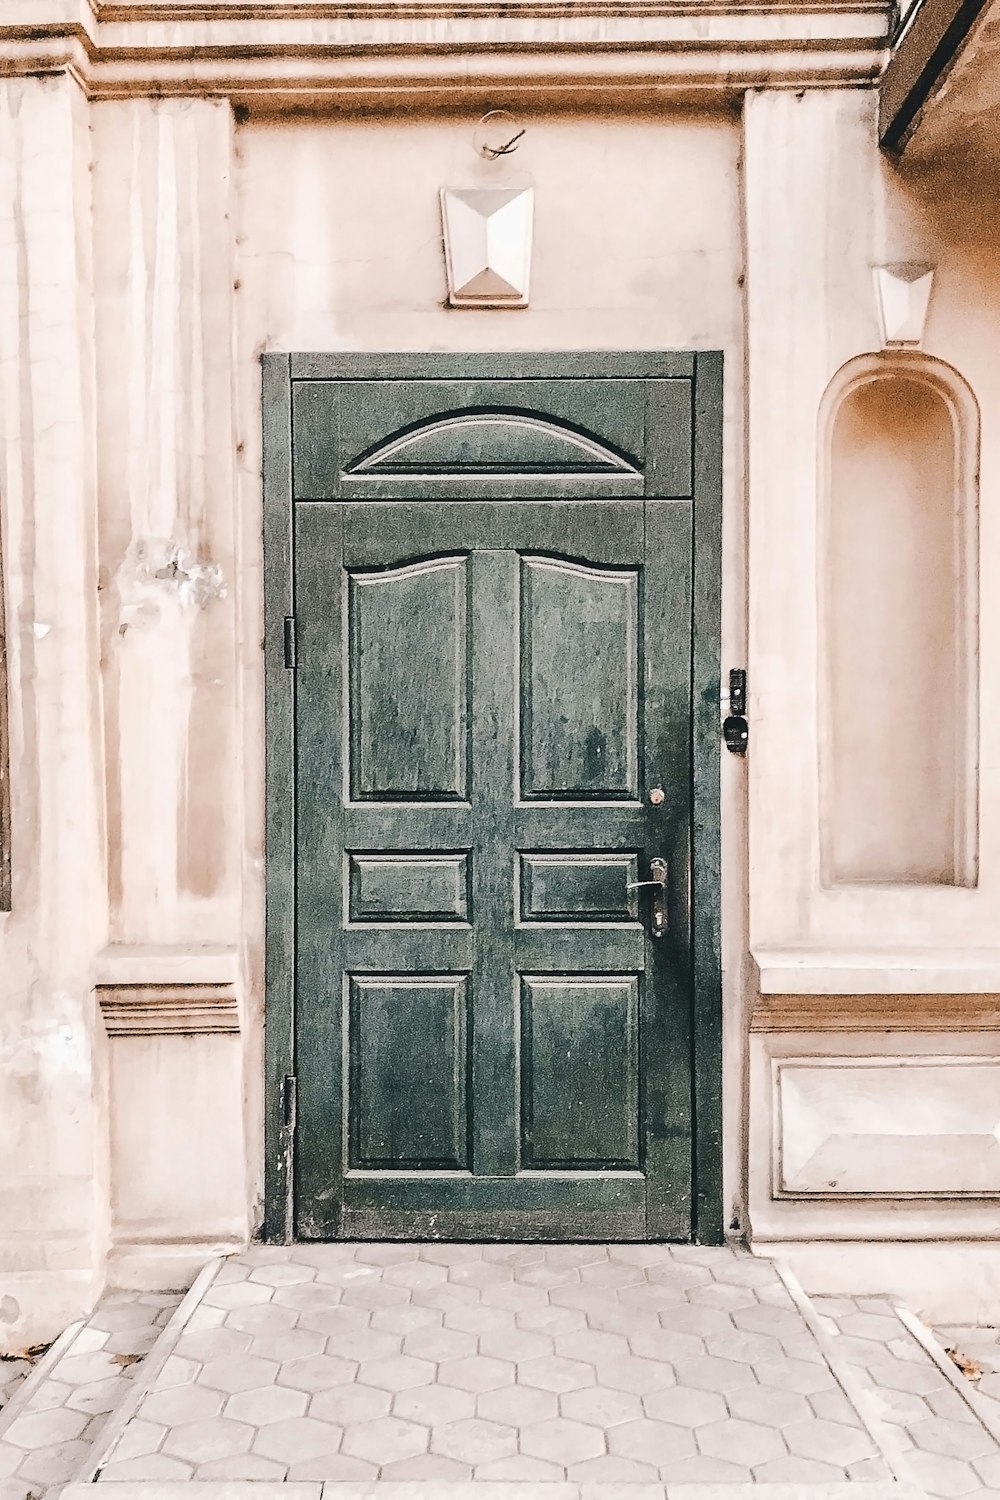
332 52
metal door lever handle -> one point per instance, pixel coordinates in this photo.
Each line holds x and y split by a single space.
658 880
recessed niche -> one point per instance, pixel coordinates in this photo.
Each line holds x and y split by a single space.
897 589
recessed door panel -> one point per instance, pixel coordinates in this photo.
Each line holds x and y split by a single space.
580 1072
407 1072
578 887
408 888
408 687
581 670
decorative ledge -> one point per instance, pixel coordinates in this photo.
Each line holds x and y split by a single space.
899 971
168 1009
881 1013
169 990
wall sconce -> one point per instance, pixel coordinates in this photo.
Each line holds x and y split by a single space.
487 244
903 292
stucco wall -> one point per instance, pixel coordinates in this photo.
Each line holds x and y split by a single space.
130 480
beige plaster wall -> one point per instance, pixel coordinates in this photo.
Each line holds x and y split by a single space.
53 1198
906 971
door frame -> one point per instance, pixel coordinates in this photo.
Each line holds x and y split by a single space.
704 369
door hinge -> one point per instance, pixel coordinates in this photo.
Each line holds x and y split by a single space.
289 1100
735 730
291 643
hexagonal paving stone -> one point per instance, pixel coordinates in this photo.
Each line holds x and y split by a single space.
724 1295
700 1321
871 1326
553 1373
551 1320
652 1442
611 1469
515 1297
292 1343
242 1466
561 1441
400 1372
590 1345
477 1373
793 1469
779 1322
282 1275
272 1403
267 1317
242 1372
44 1428
427 1467
771 1408
748 1348
795 1375
385 1440
474 1440
406 1319
752 1443
517 1405
520 1469
419 1274
386 1255
309 1297
297 1439
317 1372
431 1404
139 1438
515 1344
829 1442
611 1274
437 1343
344 1404
654 1342
710 1373
633 1373
215 1437
212 1343
954 1439
599 1406
684 1407
182 1403
237 1294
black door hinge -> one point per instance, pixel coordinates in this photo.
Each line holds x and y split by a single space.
291 644
289 1100
735 730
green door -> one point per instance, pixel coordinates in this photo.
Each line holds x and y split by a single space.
493 966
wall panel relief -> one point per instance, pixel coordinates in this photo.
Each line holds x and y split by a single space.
898 599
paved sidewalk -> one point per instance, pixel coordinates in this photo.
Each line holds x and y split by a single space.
445 1363
44 1442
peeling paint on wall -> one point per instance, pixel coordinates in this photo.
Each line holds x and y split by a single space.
158 572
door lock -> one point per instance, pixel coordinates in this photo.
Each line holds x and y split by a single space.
657 882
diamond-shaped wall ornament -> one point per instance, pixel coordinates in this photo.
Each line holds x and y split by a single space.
487 242
903 292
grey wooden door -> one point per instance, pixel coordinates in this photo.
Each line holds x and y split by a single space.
493 631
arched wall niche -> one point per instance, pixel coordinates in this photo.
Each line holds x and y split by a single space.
897 588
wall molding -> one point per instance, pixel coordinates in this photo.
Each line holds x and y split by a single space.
876 1013
168 1009
333 53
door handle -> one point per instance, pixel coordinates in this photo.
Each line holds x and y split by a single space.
657 882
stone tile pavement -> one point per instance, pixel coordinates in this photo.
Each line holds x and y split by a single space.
616 1364
947 1439
505 1372
46 1438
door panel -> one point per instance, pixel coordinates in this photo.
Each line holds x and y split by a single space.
489 1041
579 681
408 729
